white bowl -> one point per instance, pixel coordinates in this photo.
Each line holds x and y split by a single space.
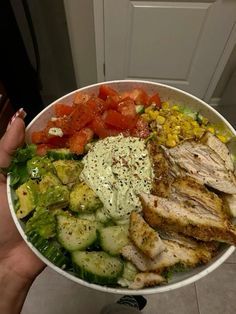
167 93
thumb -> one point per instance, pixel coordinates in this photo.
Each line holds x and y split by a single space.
12 139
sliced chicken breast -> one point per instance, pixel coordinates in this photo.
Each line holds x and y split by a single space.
144 237
200 162
230 204
191 220
142 280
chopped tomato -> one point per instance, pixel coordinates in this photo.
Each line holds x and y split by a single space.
62 110
96 105
57 141
112 102
61 122
80 117
141 129
42 149
81 98
105 91
101 129
79 139
127 107
38 137
155 99
138 95
119 121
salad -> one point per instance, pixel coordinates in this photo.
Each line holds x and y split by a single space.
104 188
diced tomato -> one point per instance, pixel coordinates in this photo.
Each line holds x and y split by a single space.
141 129
105 91
101 129
112 102
138 95
81 98
62 123
127 107
42 149
96 105
79 139
80 117
117 120
62 110
57 141
155 99
38 137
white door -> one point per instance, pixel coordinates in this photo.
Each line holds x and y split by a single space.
179 43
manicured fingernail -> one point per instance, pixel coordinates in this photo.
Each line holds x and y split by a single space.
19 114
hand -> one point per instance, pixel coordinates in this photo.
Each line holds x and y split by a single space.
17 262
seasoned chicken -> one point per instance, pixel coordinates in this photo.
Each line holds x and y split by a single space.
219 148
144 237
230 204
200 162
176 252
193 191
142 280
162 176
191 220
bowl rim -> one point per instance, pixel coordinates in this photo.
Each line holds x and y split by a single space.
122 291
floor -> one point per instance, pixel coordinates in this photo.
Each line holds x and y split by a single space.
215 294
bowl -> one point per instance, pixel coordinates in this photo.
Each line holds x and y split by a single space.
167 93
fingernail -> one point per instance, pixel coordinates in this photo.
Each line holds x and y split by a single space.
19 114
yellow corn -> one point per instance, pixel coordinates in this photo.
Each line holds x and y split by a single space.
160 119
222 138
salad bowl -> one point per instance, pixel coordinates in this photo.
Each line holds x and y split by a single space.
172 96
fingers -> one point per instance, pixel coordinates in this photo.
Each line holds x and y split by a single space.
12 139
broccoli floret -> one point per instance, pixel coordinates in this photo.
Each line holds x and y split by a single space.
68 171
48 180
83 199
27 196
38 166
55 197
42 222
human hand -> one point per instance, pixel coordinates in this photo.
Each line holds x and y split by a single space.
15 256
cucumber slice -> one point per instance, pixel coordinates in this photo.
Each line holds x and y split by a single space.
97 267
139 109
75 233
51 250
61 154
114 238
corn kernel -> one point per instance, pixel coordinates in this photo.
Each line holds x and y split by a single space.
175 107
170 143
165 105
153 114
211 129
222 138
160 119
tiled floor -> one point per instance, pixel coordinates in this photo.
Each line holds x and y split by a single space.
214 294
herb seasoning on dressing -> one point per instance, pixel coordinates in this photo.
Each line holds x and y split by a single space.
118 169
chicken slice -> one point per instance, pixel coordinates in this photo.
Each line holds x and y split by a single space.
190 220
144 237
175 253
200 162
219 148
230 204
191 189
142 280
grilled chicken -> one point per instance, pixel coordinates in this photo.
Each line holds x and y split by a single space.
190 190
162 176
219 148
200 162
179 249
230 204
189 219
142 280
144 237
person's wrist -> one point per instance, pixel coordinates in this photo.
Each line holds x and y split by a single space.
13 290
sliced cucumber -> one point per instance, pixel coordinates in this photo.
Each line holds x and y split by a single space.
61 154
51 250
97 267
74 233
139 109
114 238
